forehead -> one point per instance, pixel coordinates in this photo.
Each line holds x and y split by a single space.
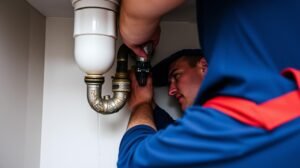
180 62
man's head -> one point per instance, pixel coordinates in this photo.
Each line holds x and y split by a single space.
183 72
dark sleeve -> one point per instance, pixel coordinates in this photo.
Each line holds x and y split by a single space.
161 118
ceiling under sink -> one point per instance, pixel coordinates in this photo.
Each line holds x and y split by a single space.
63 8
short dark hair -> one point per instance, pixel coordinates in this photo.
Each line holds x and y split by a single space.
160 70
191 59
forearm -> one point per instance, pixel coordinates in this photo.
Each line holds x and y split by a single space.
132 29
148 9
140 18
142 115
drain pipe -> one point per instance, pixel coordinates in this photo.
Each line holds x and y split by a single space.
120 87
95 37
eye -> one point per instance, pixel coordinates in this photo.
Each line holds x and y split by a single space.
176 76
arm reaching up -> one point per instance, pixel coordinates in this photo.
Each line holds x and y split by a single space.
140 19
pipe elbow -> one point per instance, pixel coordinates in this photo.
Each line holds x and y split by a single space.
108 105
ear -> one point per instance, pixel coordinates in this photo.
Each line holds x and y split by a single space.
202 66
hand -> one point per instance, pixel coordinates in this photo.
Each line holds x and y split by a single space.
139 94
140 103
137 42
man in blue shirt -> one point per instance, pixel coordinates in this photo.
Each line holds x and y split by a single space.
246 113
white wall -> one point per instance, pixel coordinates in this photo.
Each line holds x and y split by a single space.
21 71
35 79
73 135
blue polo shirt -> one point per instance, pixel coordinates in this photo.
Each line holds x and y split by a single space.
247 44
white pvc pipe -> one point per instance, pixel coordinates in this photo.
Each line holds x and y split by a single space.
95 34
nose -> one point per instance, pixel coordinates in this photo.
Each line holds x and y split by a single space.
172 89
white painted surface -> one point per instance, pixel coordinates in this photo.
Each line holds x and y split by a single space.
21 71
73 135
63 8
35 81
53 8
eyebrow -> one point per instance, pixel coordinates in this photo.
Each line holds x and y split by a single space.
171 73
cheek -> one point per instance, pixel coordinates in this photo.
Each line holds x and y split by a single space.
189 84
184 83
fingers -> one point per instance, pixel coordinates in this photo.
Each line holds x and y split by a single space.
149 80
132 77
139 94
139 51
137 45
